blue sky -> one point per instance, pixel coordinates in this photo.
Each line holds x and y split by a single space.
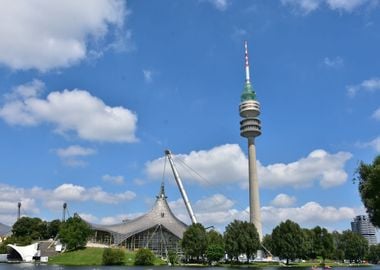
92 93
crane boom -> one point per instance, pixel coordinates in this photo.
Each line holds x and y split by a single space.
181 188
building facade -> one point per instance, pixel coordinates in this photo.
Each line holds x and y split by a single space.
159 230
362 225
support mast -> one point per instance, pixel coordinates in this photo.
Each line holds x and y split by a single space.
181 188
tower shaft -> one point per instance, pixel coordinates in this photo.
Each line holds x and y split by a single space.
250 128
254 199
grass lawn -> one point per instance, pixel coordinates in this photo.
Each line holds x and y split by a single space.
91 256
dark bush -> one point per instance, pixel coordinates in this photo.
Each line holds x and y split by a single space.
144 257
113 256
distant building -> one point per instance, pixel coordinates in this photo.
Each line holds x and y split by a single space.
362 225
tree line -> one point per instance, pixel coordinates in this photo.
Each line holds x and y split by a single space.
287 241
73 232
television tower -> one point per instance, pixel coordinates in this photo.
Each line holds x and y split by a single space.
250 128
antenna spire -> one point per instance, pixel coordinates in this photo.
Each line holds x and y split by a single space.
247 78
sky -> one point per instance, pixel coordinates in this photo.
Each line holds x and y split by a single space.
92 92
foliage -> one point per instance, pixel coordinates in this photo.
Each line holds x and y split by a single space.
322 242
74 232
354 246
241 237
338 253
214 253
34 228
194 241
374 254
368 176
113 256
308 250
215 238
53 228
267 244
144 256
172 257
287 240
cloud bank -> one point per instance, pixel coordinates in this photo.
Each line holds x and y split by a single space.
33 198
69 111
307 6
44 35
227 164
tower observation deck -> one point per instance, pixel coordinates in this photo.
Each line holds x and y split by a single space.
250 128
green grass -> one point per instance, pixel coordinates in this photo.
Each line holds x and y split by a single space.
87 256
90 257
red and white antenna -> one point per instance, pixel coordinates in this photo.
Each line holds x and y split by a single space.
247 79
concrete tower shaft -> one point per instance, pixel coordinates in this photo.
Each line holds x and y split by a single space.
250 128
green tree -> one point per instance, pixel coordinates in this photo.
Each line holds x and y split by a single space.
287 240
194 241
144 256
215 238
215 246
322 242
241 237
34 228
267 244
374 254
308 249
53 228
74 232
368 176
113 256
172 257
354 245
214 253
338 253
249 239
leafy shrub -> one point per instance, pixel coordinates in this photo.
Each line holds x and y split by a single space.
144 256
172 257
113 256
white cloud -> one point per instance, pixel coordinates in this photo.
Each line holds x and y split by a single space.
148 75
375 144
227 164
34 198
117 179
346 5
305 6
336 62
307 215
376 114
283 200
75 151
45 35
221 5
221 164
319 165
370 85
214 210
76 111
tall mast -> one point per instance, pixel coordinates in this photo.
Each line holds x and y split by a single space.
247 78
181 188
18 210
